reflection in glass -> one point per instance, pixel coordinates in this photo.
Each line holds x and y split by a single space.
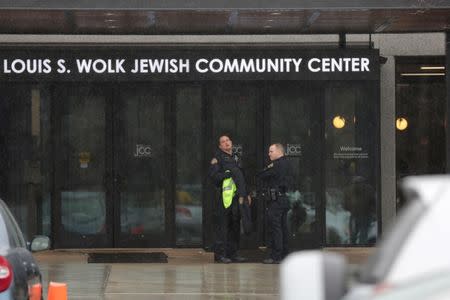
350 166
44 145
237 118
141 170
421 100
188 205
81 168
294 123
234 108
83 212
25 155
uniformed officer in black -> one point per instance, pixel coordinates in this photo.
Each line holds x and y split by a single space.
278 178
225 164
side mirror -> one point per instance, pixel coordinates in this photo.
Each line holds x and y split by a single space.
313 275
40 243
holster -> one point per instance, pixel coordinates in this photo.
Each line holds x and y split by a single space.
273 194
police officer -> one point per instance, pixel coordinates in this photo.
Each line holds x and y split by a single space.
278 177
224 165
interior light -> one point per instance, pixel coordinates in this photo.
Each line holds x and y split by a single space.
422 74
401 123
432 68
339 122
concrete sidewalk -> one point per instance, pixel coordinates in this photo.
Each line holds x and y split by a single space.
189 274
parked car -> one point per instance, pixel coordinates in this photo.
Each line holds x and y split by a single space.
19 272
418 245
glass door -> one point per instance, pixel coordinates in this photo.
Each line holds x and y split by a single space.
351 163
142 169
295 122
113 174
236 109
82 199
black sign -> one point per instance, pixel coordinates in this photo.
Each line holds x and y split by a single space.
187 64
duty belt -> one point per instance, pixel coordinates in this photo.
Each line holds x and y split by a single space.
274 193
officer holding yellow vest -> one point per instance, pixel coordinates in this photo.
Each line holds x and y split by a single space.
226 173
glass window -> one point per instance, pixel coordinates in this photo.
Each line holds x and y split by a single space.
351 142
43 140
189 155
238 118
420 116
25 155
295 122
81 163
141 163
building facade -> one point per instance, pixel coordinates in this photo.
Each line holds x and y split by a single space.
110 118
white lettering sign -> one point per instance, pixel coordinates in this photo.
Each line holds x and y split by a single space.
207 66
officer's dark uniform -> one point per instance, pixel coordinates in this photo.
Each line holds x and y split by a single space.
228 227
278 176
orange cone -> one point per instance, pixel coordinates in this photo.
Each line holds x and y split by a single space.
57 291
35 292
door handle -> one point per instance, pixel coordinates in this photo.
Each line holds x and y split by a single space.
120 182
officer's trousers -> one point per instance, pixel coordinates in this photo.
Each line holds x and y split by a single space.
278 228
228 233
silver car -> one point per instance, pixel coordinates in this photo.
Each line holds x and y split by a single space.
417 245
19 273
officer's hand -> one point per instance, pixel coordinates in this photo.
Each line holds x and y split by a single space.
241 200
214 161
249 198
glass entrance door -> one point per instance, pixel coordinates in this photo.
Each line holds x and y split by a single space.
295 122
113 180
131 160
256 115
142 169
236 109
82 200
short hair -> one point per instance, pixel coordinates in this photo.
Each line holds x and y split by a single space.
279 147
221 136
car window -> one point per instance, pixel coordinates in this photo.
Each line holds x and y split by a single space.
10 234
4 240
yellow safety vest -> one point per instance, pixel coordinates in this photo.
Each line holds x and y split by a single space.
228 191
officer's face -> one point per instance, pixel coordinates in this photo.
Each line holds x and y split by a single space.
225 144
274 153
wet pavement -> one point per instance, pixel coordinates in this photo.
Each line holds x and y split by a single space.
190 274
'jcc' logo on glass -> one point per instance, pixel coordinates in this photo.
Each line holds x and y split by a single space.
143 151
294 149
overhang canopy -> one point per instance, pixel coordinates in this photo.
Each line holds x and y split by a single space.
223 17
